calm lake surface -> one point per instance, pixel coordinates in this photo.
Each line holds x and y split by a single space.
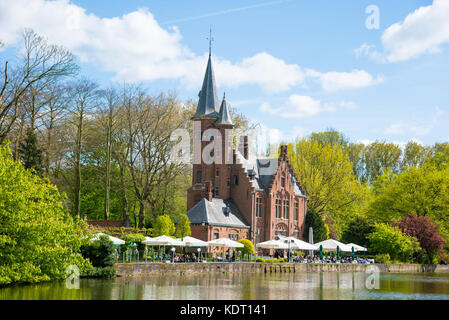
293 286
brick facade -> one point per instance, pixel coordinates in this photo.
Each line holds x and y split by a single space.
232 181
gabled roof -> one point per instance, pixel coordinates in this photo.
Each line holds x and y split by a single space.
224 117
264 170
208 102
214 213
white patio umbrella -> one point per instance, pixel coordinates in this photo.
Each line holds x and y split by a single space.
114 240
272 244
193 242
163 241
331 245
357 247
298 244
225 242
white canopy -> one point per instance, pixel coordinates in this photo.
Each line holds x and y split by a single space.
297 244
331 245
147 239
357 247
115 240
193 242
163 241
272 244
225 242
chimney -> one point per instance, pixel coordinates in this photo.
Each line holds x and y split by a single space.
283 154
209 194
245 147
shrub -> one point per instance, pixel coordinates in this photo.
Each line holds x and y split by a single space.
100 252
391 240
133 238
426 231
107 272
382 258
163 226
248 246
183 226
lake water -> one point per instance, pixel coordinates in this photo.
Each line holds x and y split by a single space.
285 286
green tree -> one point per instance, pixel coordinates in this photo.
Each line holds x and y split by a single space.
440 156
320 230
380 157
30 153
390 240
38 237
422 191
325 172
183 226
414 155
330 137
357 232
163 225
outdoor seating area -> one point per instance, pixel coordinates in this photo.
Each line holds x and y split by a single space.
164 249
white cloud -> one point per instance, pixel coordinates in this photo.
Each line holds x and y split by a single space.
365 142
370 51
422 31
349 105
401 144
417 128
297 106
136 48
334 81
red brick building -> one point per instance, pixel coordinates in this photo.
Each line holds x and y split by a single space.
233 194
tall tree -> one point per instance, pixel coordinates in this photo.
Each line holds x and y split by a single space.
41 65
380 157
414 155
84 98
326 173
30 153
422 191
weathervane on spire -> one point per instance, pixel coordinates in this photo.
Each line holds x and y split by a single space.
210 40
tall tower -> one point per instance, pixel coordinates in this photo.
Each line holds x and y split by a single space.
212 125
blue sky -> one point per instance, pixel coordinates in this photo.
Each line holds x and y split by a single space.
293 66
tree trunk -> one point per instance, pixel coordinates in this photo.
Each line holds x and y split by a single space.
78 167
108 167
123 191
141 213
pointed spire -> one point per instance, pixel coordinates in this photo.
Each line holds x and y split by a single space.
224 116
208 102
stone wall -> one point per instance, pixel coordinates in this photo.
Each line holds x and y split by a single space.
141 269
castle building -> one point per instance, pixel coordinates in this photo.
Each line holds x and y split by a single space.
237 195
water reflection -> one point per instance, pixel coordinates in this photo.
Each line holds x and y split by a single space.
283 286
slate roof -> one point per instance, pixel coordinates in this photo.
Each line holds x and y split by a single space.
208 102
224 116
213 213
264 170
